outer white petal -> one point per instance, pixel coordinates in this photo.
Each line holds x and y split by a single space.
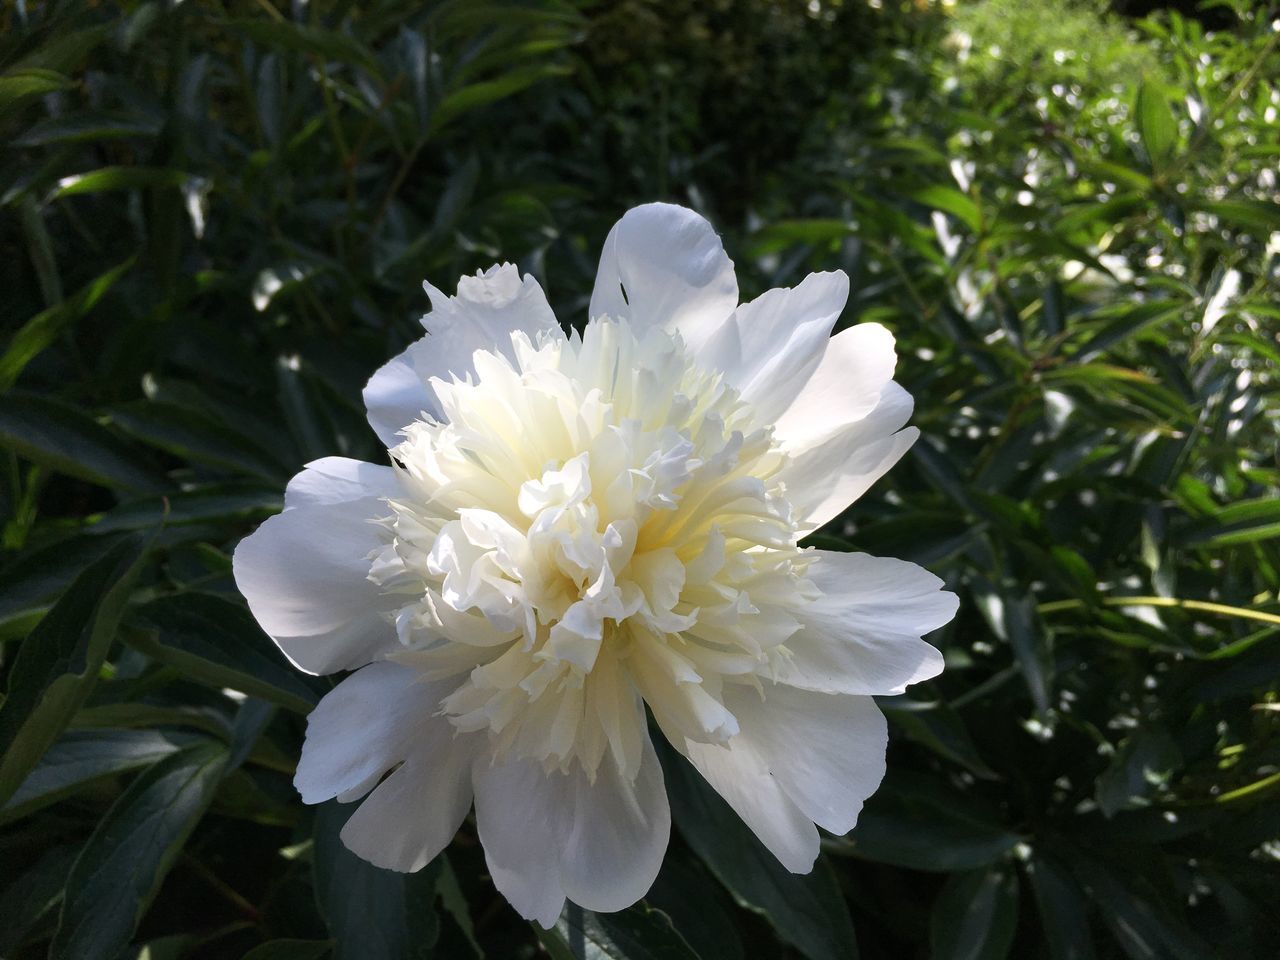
826 751
305 575
663 265
739 774
337 480
846 387
825 478
487 309
415 812
862 636
361 729
771 346
520 819
552 836
619 835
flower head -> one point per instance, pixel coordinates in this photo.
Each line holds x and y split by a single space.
578 531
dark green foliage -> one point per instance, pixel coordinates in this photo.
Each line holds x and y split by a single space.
214 221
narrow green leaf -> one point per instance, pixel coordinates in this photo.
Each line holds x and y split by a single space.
58 663
806 910
219 643
1257 215
1156 123
121 868
1247 521
952 201
302 38
1143 926
66 440
17 87
290 950
32 897
193 436
373 914
31 581
224 503
699 908
975 916
81 757
42 329
484 92
938 727
1014 620
1145 760
637 933
922 824
1064 911
116 178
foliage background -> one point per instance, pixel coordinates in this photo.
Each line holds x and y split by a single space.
214 220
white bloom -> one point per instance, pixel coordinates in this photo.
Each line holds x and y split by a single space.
576 527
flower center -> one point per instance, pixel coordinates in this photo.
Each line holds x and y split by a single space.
598 525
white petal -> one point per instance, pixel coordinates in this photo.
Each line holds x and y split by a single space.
826 751
415 812
548 836
520 819
846 386
862 636
305 573
825 478
738 773
663 265
771 346
487 309
398 393
619 835
361 729
337 480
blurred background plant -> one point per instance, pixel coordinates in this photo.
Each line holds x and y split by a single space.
214 220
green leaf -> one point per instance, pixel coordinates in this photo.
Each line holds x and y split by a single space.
373 914
219 643
64 439
30 898
952 201
290 950
1145 928
1156 123
301 38
58 663
975 916
699 909
31 581
637 933
479 94
17 87
1129 321
1064 911
194 436
41 330
225 502
1257 215
116 178
922 824
85 127
1014 620
1247 521
1145 760
81 757
806 910
938 727
121 868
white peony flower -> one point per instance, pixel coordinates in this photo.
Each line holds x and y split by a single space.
577 528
